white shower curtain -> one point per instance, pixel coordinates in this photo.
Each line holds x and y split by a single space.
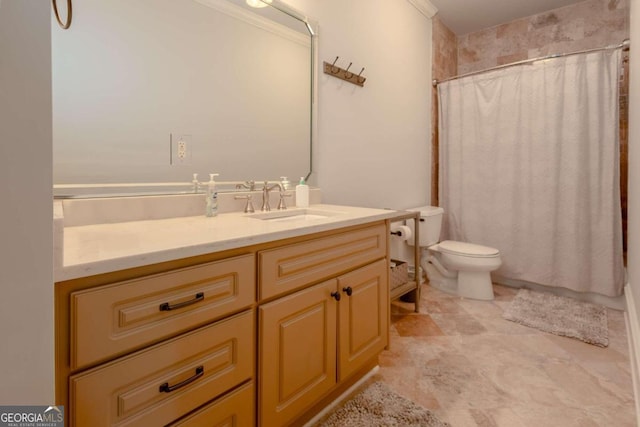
529 164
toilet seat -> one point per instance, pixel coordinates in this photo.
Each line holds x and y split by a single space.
470 250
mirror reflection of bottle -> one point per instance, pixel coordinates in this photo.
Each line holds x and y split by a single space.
286 184
211 208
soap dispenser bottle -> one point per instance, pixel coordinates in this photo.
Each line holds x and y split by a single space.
302 194
212 197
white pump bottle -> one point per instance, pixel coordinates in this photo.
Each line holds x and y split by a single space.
302 194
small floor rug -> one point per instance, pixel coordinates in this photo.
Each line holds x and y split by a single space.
560 316
379 406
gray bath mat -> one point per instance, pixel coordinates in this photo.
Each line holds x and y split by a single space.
560 316
378 406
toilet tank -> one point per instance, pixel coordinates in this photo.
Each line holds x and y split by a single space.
430 225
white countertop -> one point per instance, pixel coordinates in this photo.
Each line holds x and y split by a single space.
101 248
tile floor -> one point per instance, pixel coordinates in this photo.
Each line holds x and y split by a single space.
460 359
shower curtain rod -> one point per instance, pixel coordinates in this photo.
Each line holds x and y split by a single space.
624 45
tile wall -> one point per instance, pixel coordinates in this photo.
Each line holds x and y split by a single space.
585 25
444 65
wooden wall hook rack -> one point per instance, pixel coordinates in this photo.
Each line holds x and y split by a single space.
344 74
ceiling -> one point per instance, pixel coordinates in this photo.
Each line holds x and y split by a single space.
468 16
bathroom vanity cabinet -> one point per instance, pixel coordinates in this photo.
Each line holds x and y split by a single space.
264 334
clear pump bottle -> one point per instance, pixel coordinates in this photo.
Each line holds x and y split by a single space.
212 196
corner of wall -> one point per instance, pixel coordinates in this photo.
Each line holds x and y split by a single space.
633 337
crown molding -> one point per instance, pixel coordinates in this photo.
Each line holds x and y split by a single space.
237 12
425 7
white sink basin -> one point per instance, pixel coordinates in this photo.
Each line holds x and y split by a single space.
295 215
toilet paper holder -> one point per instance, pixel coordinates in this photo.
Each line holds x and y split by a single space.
401 231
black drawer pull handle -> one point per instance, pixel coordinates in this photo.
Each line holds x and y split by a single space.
336 295
166 388
165 306
348 290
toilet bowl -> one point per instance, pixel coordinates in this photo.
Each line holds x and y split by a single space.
459 268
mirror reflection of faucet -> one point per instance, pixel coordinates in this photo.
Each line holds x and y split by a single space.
247 185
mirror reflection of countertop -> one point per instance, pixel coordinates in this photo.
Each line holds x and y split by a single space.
87 250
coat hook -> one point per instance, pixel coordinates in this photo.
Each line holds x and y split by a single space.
343 74
347 74
333 66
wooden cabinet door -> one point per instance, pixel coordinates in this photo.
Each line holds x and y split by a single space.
363 325
297 352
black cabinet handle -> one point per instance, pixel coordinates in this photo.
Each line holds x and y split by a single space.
336 295
165 306
348 290
166 388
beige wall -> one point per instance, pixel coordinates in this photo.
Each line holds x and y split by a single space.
373 142
26 230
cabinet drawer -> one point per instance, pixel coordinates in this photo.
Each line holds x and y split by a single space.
233 410
291 267
112 320
138 390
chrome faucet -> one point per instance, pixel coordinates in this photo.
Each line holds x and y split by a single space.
248 208
265 194
283 193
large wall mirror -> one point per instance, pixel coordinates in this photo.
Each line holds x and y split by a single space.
153 91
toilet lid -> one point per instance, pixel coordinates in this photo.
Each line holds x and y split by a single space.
467 249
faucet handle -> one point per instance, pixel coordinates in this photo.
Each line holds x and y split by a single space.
249 206
282 205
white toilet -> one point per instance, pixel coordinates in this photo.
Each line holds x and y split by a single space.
459 268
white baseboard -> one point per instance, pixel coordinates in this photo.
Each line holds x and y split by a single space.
633 337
